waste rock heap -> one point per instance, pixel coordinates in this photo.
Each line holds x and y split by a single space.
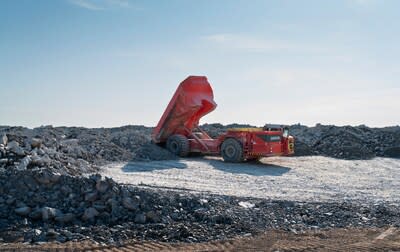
37 206
74 151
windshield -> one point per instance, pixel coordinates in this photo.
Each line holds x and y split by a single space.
285 132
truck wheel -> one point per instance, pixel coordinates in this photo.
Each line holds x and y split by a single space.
232 151
179 145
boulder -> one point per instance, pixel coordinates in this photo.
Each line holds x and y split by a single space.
130 203
47 177
89 214
52 234
66 189
14 147
246 204
2 151
49 213
153 216
11 200
91 196
102 186
41 161
23 165
36 214
36 143
4 139
23 211
140 218
65 218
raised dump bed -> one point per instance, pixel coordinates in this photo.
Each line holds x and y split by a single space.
192 100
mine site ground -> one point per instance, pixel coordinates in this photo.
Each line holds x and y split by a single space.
312 178
304 179
73 189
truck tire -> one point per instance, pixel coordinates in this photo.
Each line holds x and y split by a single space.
178 145
232 151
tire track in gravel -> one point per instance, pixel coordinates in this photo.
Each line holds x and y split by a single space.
379 239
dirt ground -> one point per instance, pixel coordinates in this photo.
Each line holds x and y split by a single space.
312 178
382 239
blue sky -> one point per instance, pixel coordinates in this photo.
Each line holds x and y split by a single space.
117 62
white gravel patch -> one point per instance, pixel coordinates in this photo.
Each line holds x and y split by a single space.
313 178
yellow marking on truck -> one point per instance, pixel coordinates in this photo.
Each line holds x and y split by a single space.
246 129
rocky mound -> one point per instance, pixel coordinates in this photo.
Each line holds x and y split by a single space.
20 152
347 142
71 150
44 206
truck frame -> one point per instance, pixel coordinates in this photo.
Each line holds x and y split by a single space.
178 129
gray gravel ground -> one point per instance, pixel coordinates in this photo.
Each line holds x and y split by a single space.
190 199
312 178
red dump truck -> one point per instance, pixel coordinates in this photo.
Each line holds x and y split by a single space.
178 129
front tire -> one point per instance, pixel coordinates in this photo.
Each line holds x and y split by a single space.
232 151
178 145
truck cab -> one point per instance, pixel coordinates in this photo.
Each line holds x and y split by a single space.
271 140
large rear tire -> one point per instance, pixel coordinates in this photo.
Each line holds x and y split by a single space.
232 151
178 145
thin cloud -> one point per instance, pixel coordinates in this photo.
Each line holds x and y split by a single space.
119 3
249 43
236 41
100 4
86 4
363 2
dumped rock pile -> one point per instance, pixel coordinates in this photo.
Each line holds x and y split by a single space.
43 206
71 150
360 142
347 142
22 153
